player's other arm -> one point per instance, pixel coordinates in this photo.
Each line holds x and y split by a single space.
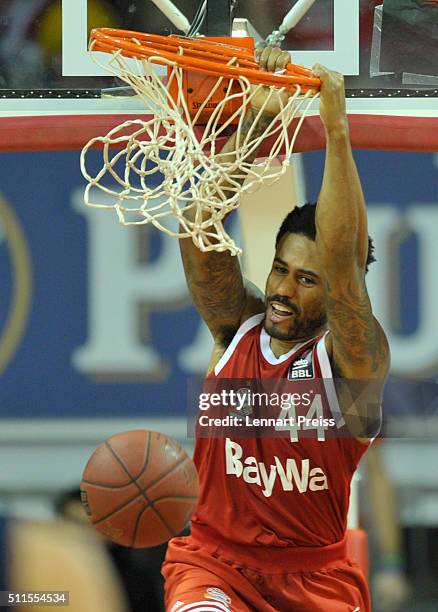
357 344
222 297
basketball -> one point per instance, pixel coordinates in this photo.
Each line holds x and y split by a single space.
139 488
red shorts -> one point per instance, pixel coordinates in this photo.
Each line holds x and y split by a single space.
201 577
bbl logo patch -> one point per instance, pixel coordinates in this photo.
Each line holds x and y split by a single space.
301 369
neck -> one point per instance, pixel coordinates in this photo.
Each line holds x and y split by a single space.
280 347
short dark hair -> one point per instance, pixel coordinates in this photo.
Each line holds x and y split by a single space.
301 220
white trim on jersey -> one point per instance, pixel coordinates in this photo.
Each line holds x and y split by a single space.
329 385
243 329
265 347
204 605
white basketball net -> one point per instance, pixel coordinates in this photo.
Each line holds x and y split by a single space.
154 171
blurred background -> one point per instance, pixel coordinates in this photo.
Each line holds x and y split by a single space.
98 335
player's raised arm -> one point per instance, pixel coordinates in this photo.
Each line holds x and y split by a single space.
219 292
357 343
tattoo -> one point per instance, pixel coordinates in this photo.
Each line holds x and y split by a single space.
360 341
216 284
214 279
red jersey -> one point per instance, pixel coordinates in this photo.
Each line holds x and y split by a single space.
275 491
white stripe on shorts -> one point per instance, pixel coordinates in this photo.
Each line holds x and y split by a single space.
204 606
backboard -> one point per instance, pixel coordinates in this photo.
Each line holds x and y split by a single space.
387 49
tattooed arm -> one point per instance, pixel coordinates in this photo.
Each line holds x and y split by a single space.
215 279
357 344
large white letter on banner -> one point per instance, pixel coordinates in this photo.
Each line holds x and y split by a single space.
117 285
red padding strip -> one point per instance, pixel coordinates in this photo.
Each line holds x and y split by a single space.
72 132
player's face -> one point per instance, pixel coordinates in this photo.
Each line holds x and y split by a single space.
294 291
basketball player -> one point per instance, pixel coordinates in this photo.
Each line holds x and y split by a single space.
269 531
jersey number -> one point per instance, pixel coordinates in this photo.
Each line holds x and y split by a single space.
313 420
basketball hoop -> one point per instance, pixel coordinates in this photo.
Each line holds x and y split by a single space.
155 171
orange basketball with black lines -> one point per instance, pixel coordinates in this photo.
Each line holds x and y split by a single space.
140 488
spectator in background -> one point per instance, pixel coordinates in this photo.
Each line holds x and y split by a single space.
390 586
31 43
139 570
60 555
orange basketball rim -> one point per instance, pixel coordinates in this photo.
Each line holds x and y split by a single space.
153 171
210 56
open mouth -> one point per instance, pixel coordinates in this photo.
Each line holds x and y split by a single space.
278 312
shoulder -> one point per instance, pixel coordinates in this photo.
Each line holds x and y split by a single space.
254 304
243 342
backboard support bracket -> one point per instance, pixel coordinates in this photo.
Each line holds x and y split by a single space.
218 18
